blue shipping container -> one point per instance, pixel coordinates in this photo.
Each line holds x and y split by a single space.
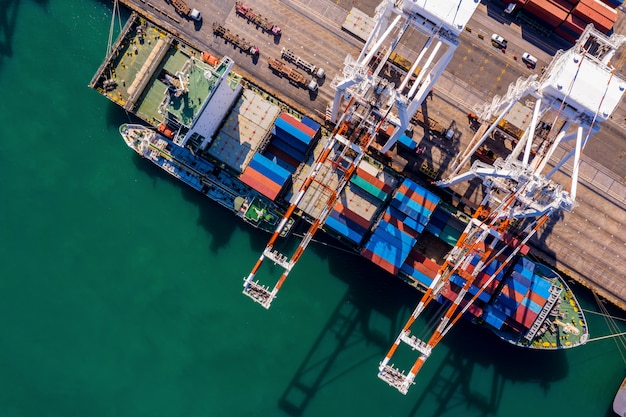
415 274
279 162
289 150
436 231
267 172
397 233
411 185
349 223
407 141
311 123
344 230
292 134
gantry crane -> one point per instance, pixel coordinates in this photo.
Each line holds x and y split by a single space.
579 87
373 103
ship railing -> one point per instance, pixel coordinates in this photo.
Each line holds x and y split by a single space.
258 293
395 378
278 258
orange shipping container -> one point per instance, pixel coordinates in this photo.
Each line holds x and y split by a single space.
591 15
563 4
351 215
602 8
260 183
421 200
574 24
551 14
373 180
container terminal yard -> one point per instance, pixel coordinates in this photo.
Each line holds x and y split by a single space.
273 141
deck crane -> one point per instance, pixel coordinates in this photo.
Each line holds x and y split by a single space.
373 103
580 88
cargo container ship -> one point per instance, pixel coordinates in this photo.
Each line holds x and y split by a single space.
251 153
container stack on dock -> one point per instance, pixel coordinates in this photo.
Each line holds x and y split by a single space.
600 14
394 238
569 18
408 142
368 186
265 176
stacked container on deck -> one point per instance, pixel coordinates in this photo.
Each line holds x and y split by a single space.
445 226
291 140
350 224
404 220
265 176
521 299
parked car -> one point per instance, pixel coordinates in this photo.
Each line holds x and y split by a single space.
529 60
498 41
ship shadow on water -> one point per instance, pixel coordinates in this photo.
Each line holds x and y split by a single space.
447 384
9 10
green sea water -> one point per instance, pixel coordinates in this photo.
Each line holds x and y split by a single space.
120 289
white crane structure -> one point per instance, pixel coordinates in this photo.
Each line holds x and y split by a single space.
440 21
579 89
370 107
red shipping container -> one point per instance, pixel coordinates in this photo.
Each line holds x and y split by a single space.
574 25
387 266
566 34
380 184
283 155
591 15
260 183
297 124
551 14
602 8
351 215
563 4
419 266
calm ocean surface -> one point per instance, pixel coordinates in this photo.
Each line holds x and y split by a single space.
120 289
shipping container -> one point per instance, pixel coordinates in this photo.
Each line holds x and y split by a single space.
307 121
288 149
417 275
402 226
368 187
388 248
567 34
450 235
279 161
412 185
494 318
593 14
549 13
381 262
602 8
271 148
521 279
344 230
421 197
613 3
381 185
531 305
260 183
294 132
349 223
525 316
408 142
540 286
563 4
356 218
574 24
268 168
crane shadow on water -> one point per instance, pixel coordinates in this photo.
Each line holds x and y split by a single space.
372 311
